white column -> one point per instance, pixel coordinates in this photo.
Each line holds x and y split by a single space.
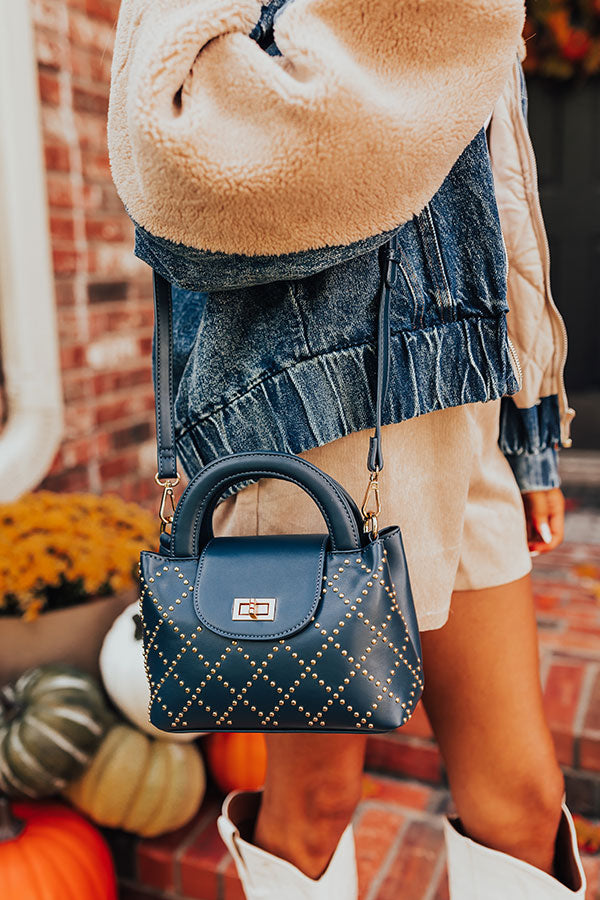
28 334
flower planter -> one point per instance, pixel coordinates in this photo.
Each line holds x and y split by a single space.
73 635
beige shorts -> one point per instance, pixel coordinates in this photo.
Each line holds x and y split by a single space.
445 482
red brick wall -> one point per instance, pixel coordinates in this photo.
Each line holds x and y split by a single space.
103 294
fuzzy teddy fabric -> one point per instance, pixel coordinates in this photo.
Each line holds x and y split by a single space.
218 145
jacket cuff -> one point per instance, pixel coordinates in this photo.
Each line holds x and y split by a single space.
529 438
536 471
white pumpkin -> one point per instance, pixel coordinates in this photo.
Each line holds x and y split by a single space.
124 676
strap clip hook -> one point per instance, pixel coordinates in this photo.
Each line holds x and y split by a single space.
371 506
168 498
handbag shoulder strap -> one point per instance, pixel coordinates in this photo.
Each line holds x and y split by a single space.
167 475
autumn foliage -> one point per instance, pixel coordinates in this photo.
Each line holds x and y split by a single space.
57 550
563 38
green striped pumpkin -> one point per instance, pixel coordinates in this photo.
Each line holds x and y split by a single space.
52 720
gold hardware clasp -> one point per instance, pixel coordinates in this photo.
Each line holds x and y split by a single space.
255 608
168 497
371 506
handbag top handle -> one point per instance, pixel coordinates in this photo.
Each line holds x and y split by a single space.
167 475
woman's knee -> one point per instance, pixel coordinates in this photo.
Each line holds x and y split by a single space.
515 813
327 797
333 798
324 771
319 779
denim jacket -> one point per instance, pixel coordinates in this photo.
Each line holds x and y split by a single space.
277 351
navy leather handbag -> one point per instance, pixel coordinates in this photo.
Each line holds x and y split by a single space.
276 633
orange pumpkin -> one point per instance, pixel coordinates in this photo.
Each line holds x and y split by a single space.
49 851
237 761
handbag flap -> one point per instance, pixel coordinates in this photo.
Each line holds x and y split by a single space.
259 588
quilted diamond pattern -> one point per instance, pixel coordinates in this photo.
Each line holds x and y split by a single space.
355 666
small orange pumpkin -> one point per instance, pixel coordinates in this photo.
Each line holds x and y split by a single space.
49 851
237 761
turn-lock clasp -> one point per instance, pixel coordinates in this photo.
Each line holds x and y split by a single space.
371 506
168 497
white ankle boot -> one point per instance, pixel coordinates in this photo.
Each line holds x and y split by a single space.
267 877
478 873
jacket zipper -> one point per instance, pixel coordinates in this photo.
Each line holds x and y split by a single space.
512 349
516 362
566 413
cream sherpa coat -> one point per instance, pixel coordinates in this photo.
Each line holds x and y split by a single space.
220 146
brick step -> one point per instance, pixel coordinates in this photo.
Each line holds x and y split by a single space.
418 757
400 851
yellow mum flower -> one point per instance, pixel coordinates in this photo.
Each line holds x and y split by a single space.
71 543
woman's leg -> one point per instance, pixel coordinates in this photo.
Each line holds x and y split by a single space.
312 788
313 781
483 697
484 701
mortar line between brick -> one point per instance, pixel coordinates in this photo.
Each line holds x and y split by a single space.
584 697
205 819
200 825
78 214
221 868
415 815
545 666
573 655
387 863
135 885
436 877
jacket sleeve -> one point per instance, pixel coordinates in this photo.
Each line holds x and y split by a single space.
535 421
529 440
342 131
